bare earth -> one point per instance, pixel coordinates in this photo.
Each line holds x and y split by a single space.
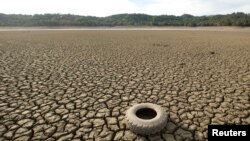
77 85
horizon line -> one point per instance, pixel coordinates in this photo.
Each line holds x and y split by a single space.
121 14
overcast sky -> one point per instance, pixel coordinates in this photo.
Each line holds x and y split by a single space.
109 7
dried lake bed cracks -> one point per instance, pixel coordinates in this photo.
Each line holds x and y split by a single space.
77 85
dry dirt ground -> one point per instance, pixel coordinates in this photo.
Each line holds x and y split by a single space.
77 85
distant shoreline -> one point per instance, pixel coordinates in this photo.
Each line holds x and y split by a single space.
200 28
134 19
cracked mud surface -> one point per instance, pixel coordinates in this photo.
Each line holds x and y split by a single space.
77 85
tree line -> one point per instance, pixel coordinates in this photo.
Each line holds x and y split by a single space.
234 19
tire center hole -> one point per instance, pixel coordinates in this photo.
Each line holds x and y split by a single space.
146 113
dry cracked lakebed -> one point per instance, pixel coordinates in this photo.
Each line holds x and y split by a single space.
77 85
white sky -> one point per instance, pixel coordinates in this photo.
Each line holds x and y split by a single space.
109 7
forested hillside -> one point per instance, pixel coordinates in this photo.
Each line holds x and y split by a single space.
234 19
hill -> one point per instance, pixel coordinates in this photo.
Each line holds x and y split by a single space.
234 19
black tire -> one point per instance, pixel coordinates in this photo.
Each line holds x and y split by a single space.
146 125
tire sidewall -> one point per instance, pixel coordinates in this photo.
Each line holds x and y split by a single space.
142 126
